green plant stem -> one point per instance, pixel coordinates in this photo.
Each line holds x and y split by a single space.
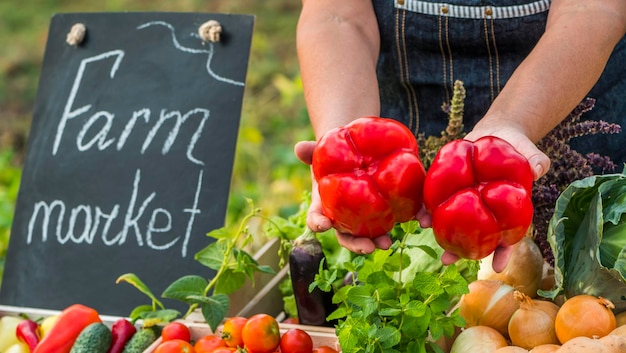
225 261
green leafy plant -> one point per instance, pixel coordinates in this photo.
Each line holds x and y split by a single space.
402 299
233 267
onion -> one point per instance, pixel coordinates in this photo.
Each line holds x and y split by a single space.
489 303
533 323
584 315
481 339
511 349
545 348
524 270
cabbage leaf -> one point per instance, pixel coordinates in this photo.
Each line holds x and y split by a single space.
586 262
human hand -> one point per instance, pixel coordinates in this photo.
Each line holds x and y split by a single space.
539 163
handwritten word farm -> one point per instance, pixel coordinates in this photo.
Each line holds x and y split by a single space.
139 218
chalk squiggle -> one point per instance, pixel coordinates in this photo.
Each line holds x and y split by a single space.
192 51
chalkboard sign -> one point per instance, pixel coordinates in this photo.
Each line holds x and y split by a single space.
129 158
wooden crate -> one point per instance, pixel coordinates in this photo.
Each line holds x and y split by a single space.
262 296
322 336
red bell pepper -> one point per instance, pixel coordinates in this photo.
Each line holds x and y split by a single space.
27 332
369 176
479 196
70 323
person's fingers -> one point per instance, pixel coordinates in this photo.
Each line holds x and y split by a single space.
448 258
540 163
424 218
316 220
304 151
382 242
501 258
363 245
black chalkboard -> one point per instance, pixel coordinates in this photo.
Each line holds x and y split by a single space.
129 159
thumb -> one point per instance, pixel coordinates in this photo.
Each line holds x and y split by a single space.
304 151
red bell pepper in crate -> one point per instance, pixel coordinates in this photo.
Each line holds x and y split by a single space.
479 196
70 323
369 176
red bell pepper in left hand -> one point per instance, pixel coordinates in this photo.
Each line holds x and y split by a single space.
27 331
479 196
369 176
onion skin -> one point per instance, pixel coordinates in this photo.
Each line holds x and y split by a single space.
481 339
524 271
545 348
489 303
533 323
584 315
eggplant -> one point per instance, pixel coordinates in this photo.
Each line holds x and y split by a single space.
304 263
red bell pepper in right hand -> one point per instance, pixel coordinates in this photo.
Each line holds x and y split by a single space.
70 323
479 196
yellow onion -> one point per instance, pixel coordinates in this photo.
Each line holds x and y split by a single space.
584 315
545 348
489 303
533 323
475 339
524 271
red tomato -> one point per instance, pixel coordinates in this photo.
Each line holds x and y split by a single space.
325 349
224 350
291 320
174 346
261 334
208 343
231 331
296 340
176 331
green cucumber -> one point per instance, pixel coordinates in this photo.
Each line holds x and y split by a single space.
141 340
95 338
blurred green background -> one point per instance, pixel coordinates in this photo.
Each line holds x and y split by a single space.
273 118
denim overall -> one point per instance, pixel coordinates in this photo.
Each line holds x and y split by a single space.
426 46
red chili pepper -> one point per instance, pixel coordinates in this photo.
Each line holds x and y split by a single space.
27 331
369 176
479 196
122 330
70 322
